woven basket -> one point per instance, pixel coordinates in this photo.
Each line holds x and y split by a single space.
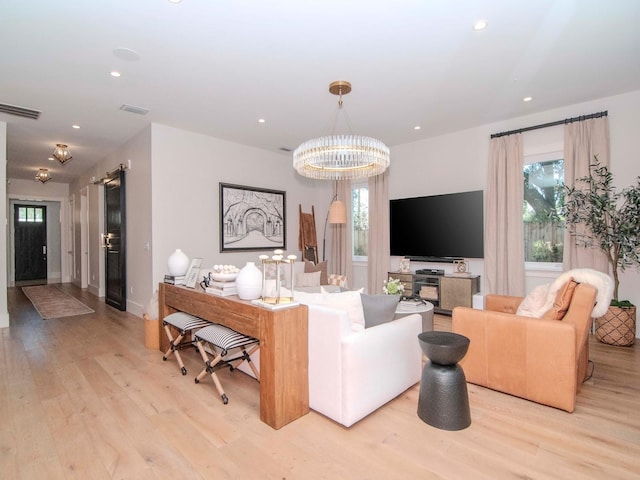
617 326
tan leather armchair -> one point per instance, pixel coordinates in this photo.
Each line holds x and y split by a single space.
544 361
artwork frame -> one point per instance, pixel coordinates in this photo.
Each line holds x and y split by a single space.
252 218
191 278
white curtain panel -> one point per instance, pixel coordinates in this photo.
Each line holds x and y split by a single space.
503 237
582 141
379 249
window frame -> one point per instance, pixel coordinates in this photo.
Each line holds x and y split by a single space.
356 186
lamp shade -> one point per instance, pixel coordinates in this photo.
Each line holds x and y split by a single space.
338 213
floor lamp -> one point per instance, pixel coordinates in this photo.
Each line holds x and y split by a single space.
337 215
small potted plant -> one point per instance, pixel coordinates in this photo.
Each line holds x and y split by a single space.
393 286
601 217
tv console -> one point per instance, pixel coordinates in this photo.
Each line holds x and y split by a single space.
445 292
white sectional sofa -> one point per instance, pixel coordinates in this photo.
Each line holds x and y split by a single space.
353 373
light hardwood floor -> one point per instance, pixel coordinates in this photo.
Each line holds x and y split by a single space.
81 398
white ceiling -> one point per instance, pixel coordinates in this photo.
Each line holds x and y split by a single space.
217 66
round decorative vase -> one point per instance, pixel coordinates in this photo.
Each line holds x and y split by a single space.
178 263
249 282
617 326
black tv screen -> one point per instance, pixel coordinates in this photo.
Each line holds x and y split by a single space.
438 227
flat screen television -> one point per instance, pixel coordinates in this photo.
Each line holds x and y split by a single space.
438 228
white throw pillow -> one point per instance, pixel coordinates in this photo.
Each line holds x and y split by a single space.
308 279
534 304
349 301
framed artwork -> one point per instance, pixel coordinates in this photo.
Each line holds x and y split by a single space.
251 218
191 278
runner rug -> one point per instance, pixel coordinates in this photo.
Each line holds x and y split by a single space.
51 302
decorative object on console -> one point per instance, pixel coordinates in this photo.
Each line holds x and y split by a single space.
61 153
405 265
393 286
178 263
251 218
341 157
43 175
461 266
191 278
249 282
280 294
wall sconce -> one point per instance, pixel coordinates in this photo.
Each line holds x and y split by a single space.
61 153
43 175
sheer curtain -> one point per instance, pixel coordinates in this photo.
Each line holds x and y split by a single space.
582 141
340 258
378 248
503 237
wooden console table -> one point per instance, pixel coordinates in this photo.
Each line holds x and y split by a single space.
283 335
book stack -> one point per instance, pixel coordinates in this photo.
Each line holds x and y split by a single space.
222 289
174 279
411 302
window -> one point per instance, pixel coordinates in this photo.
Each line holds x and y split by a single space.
541 212
360 221
30 214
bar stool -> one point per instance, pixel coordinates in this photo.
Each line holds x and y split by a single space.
224 339
184 323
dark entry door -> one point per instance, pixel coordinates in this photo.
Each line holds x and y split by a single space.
30 242
115 241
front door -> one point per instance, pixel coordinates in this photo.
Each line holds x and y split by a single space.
115 241
30 242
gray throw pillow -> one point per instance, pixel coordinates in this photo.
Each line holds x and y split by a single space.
378 308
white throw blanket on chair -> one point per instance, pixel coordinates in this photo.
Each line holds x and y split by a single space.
541 299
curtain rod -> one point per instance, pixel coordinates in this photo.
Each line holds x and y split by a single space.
581 118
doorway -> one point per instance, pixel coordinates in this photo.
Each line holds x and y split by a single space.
115 241
30 243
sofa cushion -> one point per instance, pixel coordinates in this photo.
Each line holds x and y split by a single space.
308 279
534 304
378 309
336 279
310 267
562 301
349 301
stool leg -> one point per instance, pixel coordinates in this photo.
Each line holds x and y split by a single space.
174 348
246 356
209 369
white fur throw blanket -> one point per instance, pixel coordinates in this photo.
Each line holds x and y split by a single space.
541 298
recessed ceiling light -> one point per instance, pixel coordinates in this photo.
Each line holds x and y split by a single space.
527 99
51 158
114 74
75 126
261 120
417 127
175 1
480 25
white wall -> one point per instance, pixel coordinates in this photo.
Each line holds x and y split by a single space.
187 169
4 312
458 162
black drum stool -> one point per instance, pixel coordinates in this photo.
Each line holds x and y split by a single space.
444 401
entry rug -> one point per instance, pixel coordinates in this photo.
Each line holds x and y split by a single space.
51 302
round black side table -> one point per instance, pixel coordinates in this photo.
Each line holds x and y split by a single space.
444 401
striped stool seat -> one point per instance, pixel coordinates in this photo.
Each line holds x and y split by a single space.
184 323
224 339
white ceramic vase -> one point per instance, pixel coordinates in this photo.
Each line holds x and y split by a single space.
178 263
249 282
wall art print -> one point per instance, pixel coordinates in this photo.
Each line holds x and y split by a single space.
251 218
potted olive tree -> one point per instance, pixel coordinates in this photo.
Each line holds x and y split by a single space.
601 217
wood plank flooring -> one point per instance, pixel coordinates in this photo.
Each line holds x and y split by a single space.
82 398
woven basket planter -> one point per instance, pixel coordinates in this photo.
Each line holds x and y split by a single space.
617 326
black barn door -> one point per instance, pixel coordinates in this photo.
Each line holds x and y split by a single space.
115 241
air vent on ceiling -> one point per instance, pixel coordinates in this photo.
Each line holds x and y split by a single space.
19 111
134 109
286 149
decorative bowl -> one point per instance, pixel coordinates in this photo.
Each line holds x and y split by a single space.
224 277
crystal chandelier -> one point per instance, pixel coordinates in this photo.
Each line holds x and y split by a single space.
341 157
61 153
43 175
